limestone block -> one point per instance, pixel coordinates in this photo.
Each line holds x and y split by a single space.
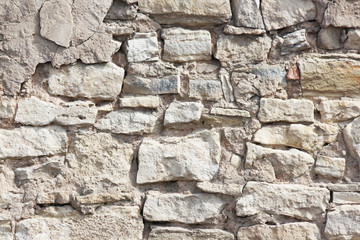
292 12
247 14
77 113
342 14
5 228
140 102
181 45
128 121
58 197
330 167
353 39
292 200
329 38
142 47
121 11
182 208
32 142
190 13
194 157
346 197
299 230
230 112
339 110
205 89
100 81
7 107
150 85
183 112
99 198
352 139
232 30
292 110
294 42
230 189
164 233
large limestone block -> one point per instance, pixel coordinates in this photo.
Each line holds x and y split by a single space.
77 113
343 223
247 14
287 164
151 85
292 12
342 13
179 233
7 107
183 112
339 110
100 81
63 223
190 13
32 142
100 157
292 110
181 45
352 138
205 89
142 47
194 157
330 167
300 230
128 121
346 197
182 208
292 200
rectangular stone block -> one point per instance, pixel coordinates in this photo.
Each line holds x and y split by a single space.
330 167
142 47
77 113
339 110
247 14
346 197
140 102
343 223
183 112
166 233
230 112
150 85
205 89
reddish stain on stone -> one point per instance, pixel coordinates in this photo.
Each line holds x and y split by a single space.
293 73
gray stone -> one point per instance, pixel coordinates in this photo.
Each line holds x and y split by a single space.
346 197
142 47
353 39
181 45
205 89
292 200
329 38
150 85
232 30
182 208
183 112
7 107
140 102
339 110
77 113
330 167
226 85
342 14
247 13
294 42
194 157
352 138
121 11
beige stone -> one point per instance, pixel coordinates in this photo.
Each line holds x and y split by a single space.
121 10
232 30
230 189
140 102
339 110
62 197
329 38
351 137
346 197
205 89
294 42
77 113
230 112
98 198
5 229
353 39
342 14
183 112
330 167
142 47
7 107
247 13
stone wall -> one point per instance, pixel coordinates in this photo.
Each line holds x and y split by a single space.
179 119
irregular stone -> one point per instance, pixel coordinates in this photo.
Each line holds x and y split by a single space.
230 112
292 200
56 27
292 110
339 110
353 39
150 85
288 164
121 11
163 233
194 157
128 121
298 230
182 208
7 107
142 102
346 197
32 142
232 30
226 85
99 198
77 113
247 14
100 157
53 198
243 49
292 12
330 167
194 13
181 45
101 81
222 188
342 223
142 47
183 112
205 89
294 42
122 222
352 138
5 229
342 14
329 38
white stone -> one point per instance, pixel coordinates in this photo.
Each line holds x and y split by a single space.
339 110
77 113
247 13
182 208
150 85
5 230
7 107
181 45
140 102
142 47
32 142
205 89
230 112
292 110
183 112
295 42
352 138
128 121
292 200
194 157
330 167
346 197
230 189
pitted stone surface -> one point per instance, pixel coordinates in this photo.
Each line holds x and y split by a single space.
342 223
183 112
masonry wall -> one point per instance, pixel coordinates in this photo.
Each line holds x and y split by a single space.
179 119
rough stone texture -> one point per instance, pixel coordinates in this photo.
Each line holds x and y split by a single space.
7 107
191 13
346 198
293 200
183 112
182 208
230 112
293 110
205 89
142 47
77 113
294 42
181 45
352 139
143 102
121 11
330 167
194 157
353 39
339 110
232 30
302 230
230 189
341 14
5 228
329 38
247 13
163 85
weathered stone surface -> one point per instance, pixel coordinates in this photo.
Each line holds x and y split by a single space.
330 167
293 73
183 45
163 233
342 14
292 110
352 138
230 112
247 13
142 47
128 121
53 198
182 208
329 38
294 42
150 85
339 110
243 49
288 164
183 112
232 30
353 39
222 188
98 198
205 89
101 81
192 13
121 11
301 230
56 27
346 197
7 107
292 12
293 200
194 157
32 141
117 222
5 228
77 113
343 223
142 102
